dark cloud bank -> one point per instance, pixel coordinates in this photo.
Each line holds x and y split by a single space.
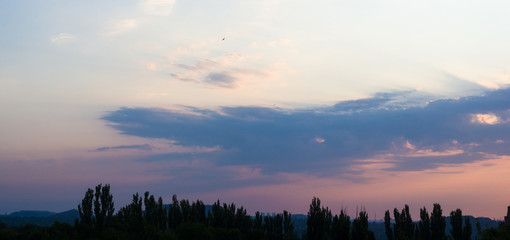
326 140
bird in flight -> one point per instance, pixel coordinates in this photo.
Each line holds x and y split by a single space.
223 39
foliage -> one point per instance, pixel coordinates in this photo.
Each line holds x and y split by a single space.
103 206
318 221
360 228
456 222
404 226
147 217
85 208
340 227
467 229
387 225
500 233
424 224
437 223
458 231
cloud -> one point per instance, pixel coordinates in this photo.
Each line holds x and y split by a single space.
121 26
489 118
139 147
222 79
226 71
384 101
157 7
281 140
62 37
412 151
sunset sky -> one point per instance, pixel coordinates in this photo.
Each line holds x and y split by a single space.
265 103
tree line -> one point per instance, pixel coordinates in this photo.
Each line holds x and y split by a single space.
147 217
429 227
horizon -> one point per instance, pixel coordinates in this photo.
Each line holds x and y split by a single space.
261 103
252 212
352 216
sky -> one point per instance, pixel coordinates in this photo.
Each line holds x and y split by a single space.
264 103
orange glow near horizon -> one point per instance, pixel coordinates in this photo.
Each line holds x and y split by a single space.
477 188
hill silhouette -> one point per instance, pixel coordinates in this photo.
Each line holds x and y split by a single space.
39 218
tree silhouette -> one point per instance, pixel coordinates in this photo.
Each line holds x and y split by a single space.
161 214
154 214
341 226
424 224
225 221
174 213
288 226
217 215
147 218
131 218
318 221
467 230
360 228
258 228
274 227
150 208
103 206
242 220
437 223
387 225
185 210
456 222
407 223
198 212
404 226
85 208
229 213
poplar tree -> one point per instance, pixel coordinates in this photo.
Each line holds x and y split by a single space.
174 213
85 208
360 228
103 206
318 221
467 230
437 223
456 222
288 225
340 227
424 224
387 225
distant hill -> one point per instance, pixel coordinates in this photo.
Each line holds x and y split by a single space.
31 214
39 218
299 221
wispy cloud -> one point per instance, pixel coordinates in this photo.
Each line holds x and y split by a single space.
139 147
117 27
225 71
414 152
62 37
221 79
157 7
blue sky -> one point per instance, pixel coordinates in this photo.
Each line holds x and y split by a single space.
244 100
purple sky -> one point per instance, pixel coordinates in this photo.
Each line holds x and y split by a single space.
263 103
